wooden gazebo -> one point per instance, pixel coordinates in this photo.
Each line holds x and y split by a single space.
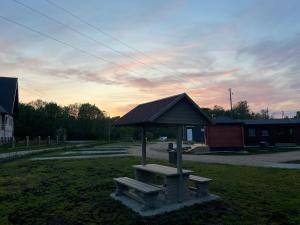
175 111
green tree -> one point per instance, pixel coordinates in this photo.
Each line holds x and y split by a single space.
89 112
241 110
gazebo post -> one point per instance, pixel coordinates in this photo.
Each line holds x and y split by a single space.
143 145
179 161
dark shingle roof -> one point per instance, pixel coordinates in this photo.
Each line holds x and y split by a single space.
227 120
150 111
272 122
2 110
9 94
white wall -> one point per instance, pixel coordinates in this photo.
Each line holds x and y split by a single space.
6 129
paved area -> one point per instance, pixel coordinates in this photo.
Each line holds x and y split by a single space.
76 157
286 165
159 151
95 152
18 154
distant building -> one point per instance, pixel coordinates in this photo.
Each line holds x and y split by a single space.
229 134
9 107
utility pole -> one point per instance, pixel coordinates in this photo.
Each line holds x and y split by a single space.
109 125
230 97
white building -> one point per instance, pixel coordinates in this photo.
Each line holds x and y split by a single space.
9 102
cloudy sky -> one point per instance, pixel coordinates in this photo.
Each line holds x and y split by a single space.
117 54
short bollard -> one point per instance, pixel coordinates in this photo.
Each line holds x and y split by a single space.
49 141
13 143
39 140
27 141
57 139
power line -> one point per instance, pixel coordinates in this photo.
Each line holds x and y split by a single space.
82 34
103 32
63 42
87 36
33 92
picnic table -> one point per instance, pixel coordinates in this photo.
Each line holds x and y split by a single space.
174 183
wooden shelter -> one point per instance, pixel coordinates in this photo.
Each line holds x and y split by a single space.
175 111
179 110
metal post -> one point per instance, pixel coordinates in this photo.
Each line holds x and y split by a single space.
179 162
143 145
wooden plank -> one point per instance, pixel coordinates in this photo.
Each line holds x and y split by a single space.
135 184
159 169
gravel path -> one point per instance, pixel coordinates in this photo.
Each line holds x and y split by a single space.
158 151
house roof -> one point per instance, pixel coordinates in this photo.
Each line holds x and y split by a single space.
2 110
227 120
9 98
150 112
272 122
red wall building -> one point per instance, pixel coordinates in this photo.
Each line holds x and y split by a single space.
225 137
227 134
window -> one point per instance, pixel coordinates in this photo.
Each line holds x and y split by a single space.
251 132
265 133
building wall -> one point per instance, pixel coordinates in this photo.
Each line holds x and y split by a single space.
225 137
297 134
198 133
182 113
276 134
6 127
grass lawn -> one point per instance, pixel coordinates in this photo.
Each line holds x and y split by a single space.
77 192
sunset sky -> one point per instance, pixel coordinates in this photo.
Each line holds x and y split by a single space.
117 54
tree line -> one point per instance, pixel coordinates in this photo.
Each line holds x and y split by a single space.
87 121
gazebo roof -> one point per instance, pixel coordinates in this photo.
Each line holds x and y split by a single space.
175 110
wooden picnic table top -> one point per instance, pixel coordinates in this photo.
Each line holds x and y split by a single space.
159 169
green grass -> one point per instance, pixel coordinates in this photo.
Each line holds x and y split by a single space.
77 192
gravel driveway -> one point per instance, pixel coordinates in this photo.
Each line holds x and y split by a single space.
158 151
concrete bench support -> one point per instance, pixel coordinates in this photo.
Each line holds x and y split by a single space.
142 192
201 184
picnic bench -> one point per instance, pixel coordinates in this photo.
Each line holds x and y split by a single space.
201 185
171 179
145 193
